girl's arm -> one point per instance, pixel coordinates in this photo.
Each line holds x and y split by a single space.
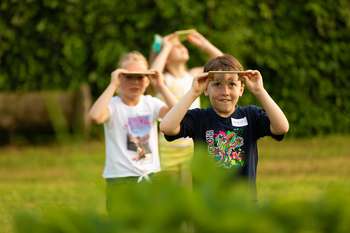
160 61
170 124
157 81
99 111
201 42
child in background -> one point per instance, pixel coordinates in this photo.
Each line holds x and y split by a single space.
229 131
129 120
172 60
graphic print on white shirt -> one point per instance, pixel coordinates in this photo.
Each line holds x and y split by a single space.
138 135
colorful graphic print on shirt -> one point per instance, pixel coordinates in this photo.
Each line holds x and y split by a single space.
226 148
139 128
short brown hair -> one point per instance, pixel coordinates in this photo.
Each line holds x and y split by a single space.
225 62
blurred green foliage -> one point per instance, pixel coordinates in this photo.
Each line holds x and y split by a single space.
217 203
301 47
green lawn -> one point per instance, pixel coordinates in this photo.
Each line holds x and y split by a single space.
37 178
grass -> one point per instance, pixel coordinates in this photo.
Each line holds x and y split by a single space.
37 178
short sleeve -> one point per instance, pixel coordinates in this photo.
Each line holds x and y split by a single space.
262 124
187 125
112 106
156 105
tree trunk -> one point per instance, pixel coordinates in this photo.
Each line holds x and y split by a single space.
56 112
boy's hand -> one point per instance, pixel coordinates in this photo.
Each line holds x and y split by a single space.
157 79
115 77
253 81
200 83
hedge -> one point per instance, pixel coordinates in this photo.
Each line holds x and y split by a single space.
302 47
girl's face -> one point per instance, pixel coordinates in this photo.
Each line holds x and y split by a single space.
178 53
224 92
131 88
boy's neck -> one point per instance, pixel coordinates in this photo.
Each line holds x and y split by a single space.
178 70
225 115
130 101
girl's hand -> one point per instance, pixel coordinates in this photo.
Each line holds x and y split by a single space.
169 40
157 79
115 77
197 40
253 81
200 83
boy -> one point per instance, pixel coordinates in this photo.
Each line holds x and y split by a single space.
230 131
130 122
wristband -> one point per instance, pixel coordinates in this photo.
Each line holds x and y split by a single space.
157 43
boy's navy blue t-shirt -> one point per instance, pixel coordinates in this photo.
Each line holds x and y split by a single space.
231 141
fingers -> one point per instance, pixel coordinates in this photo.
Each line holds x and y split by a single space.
250 73
202 77
116 73
155 74
171 38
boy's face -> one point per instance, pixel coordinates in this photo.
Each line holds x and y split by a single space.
132 87
224 91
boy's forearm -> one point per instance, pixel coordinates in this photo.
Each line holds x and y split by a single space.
170 124
278 121
99 109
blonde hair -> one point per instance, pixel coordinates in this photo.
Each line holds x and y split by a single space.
133 56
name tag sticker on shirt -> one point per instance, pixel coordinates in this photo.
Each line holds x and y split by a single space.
239 122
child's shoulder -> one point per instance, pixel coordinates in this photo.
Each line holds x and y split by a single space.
249 108
149 99
201 113
249 111
115 100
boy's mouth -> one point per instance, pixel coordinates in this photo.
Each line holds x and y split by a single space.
224 100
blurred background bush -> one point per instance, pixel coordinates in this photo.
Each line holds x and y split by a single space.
302 48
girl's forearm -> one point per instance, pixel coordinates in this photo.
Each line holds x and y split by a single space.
99 110
211 50
168 96
160 61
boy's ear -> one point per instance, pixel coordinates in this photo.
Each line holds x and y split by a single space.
241 90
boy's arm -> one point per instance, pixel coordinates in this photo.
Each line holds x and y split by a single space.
99 112
170 124
278 121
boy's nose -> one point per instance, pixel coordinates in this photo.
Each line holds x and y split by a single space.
225 89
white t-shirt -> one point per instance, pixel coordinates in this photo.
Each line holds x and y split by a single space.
180 86
131 138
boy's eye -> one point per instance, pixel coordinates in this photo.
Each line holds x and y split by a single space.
216 84
231 84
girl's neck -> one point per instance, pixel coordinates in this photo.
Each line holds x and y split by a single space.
178 70
130 101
